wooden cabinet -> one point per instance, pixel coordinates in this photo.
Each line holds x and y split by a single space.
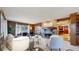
74 28
60 30
77 29
32 29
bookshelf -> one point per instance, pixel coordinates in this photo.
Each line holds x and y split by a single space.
74 19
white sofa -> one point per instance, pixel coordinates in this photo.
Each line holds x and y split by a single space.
16 44
20 43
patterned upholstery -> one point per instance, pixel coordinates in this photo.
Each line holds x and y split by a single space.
1 42
9 39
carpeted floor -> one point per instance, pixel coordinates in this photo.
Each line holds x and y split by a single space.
67 46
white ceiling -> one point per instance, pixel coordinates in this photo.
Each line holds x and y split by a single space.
37 14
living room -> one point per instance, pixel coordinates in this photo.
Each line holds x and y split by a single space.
25 24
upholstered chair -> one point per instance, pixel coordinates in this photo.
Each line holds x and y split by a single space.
56 42
9 39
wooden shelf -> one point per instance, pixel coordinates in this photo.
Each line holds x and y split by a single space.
74 29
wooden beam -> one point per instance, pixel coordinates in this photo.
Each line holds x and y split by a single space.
63 19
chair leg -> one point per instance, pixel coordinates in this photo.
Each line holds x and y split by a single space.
59 49
51 49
